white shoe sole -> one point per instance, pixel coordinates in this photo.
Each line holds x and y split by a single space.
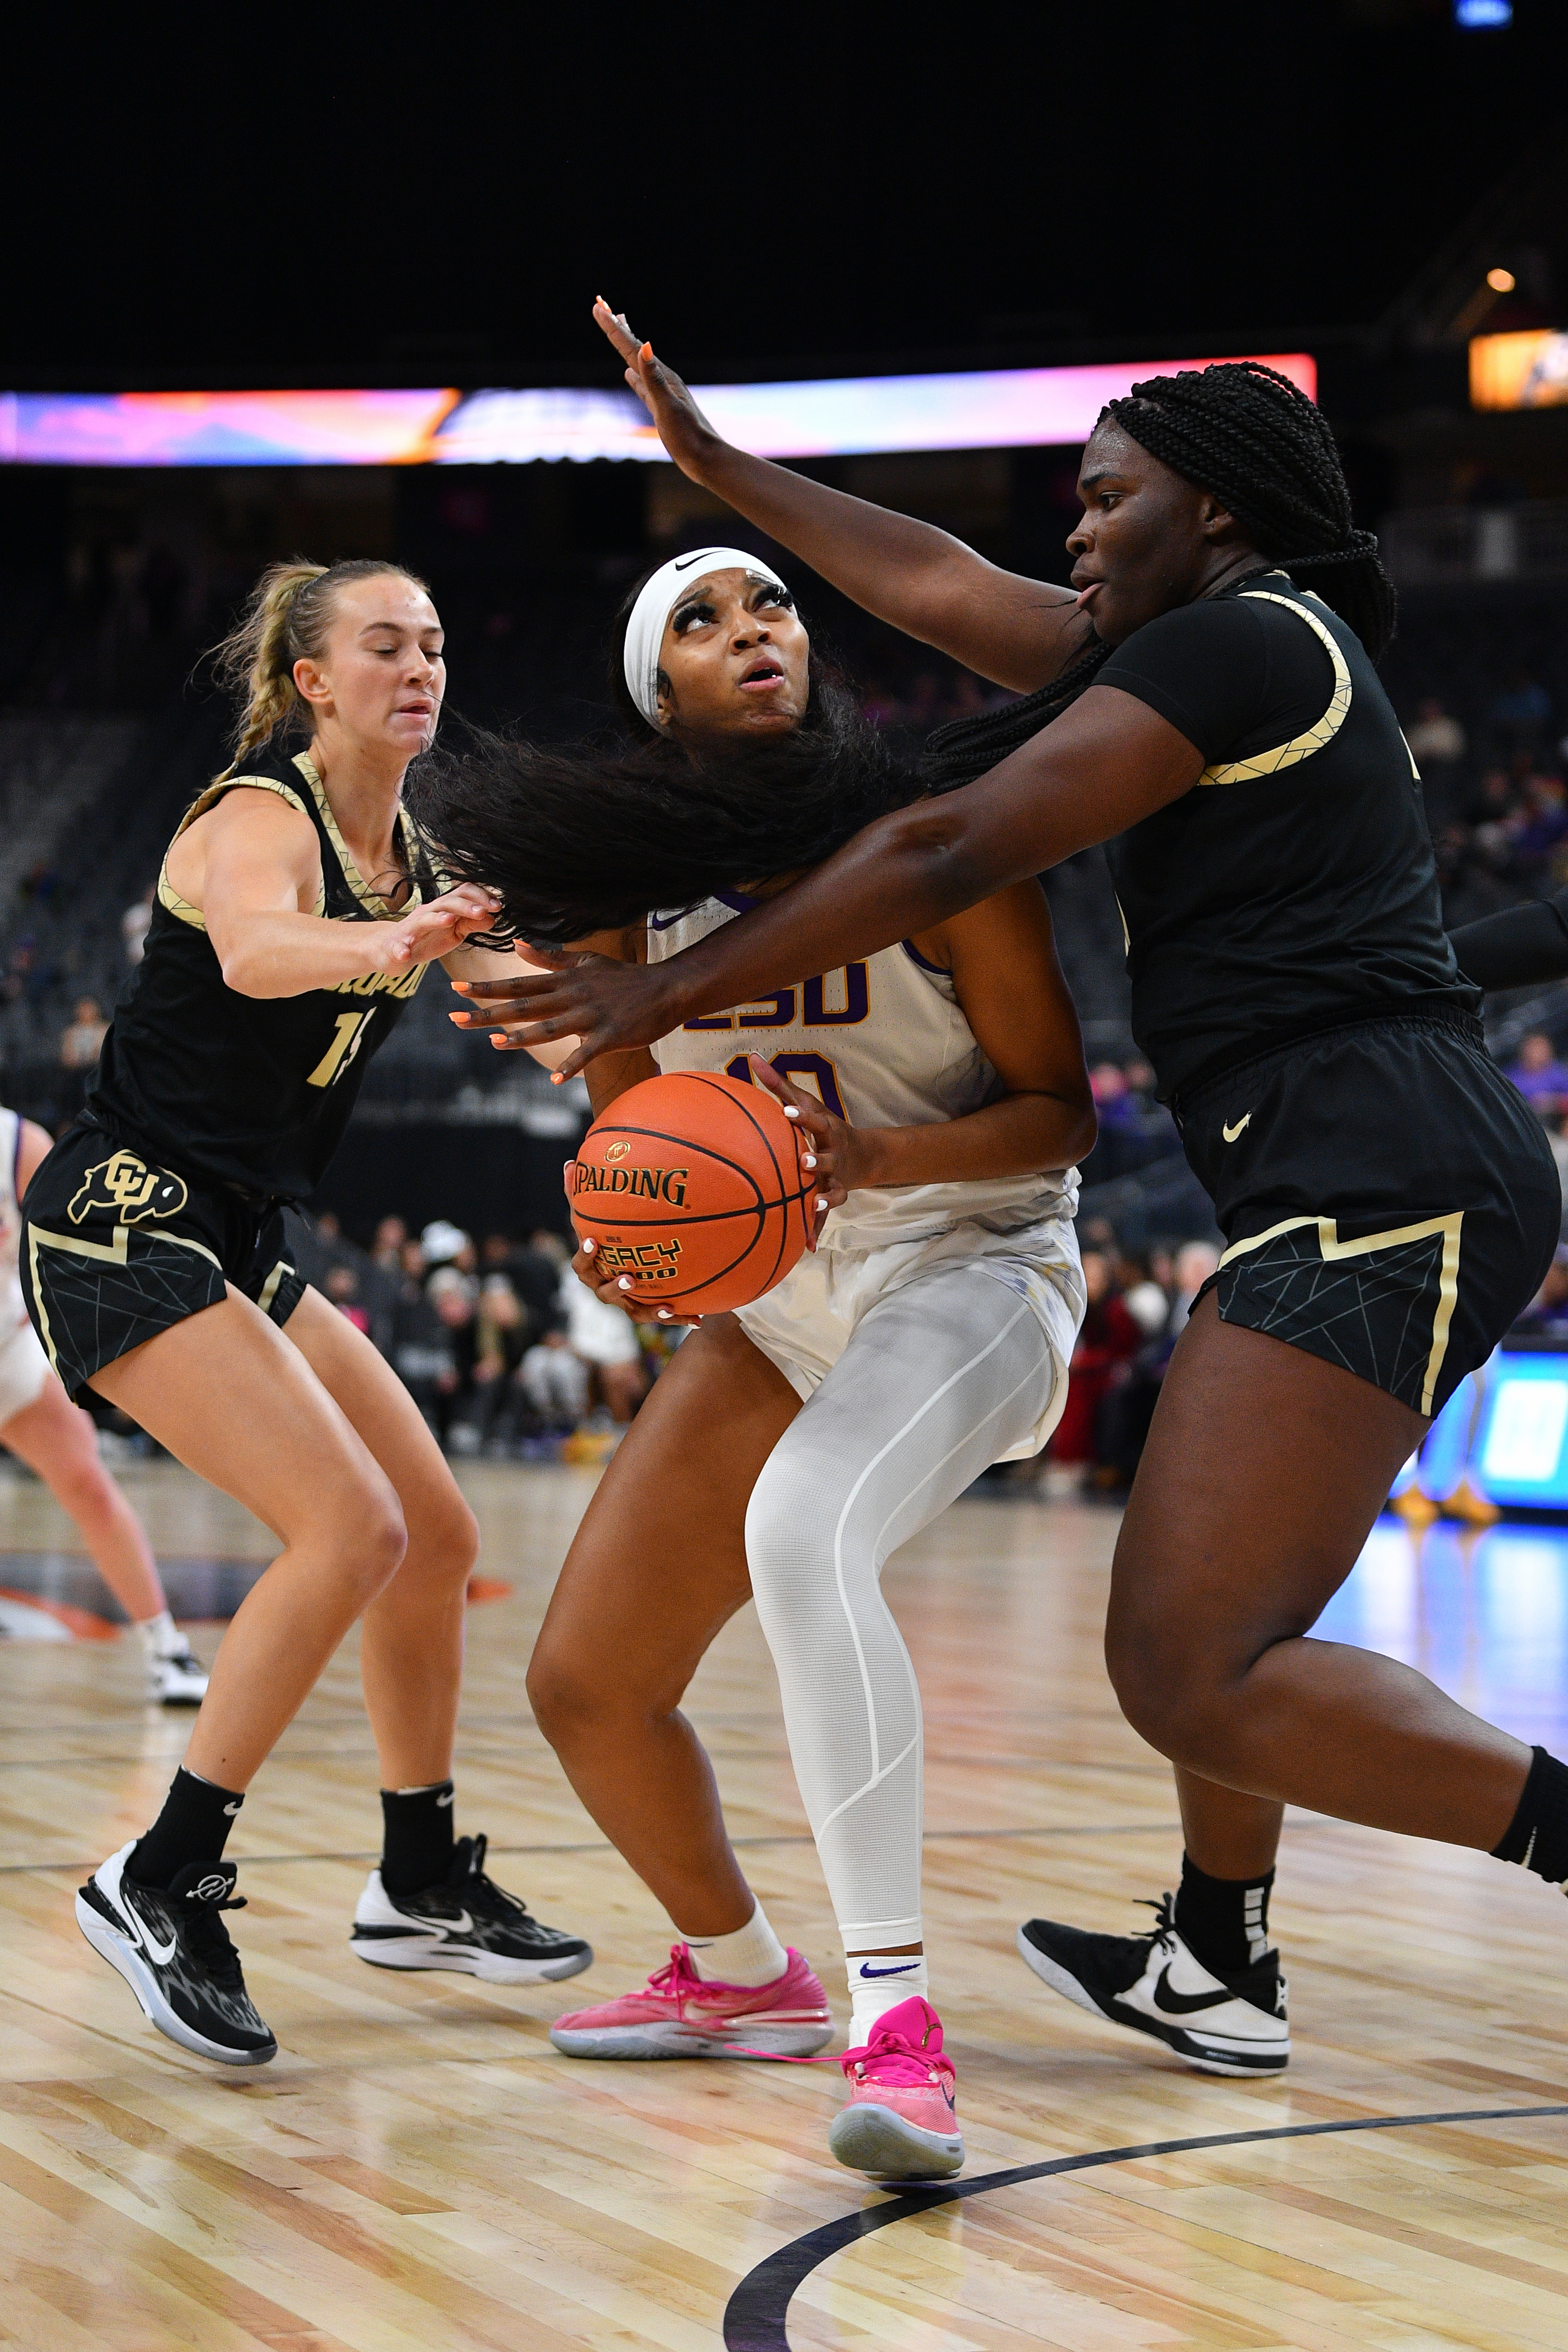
673 2041
878 2141
121 1954
1205 2058
416 1952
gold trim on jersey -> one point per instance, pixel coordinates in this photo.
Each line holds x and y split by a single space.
1299 747
408 833
1332 1246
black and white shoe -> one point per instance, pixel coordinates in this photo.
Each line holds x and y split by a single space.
1156 1984
174 1953
470 1924
180 1679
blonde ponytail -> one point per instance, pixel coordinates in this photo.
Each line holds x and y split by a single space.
287 620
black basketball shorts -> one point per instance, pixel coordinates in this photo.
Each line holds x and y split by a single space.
1388 1201
116 1249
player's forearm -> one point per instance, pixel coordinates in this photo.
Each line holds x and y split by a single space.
917 578
269 954
1022 1135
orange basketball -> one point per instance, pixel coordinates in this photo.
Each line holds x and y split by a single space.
692 1186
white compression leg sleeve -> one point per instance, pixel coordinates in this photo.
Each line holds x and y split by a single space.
938 1380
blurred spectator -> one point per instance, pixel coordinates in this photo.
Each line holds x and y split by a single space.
390 1239
1142 1297
134 924
1539 1077
500 1342
342 1287
533 1270
1108 1339
1195 1262
556 1381
607 1342
1522 711
81 1043
421 1351
453 1294
1114 1104
445 1244
1436 740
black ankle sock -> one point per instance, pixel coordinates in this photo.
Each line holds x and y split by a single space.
1538 1835
193 1826
1223 1920
416 1838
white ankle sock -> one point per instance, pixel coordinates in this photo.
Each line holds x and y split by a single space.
878 1982
752 1955
160 1637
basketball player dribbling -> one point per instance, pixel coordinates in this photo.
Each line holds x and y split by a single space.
56 1439
296 913
791 1445
1389 1203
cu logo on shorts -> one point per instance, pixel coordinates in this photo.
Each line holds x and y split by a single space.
127 1185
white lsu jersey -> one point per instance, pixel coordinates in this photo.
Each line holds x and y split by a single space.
884 1043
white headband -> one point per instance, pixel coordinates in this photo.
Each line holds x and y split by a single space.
658 600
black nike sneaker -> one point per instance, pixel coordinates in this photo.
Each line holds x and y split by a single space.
174 1953
470 1924
1156 1984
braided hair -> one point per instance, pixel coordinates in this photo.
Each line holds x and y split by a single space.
1245 433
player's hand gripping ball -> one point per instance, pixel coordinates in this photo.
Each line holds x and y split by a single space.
690 1188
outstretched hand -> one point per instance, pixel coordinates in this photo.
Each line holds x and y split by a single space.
682 427
605 1005
437 929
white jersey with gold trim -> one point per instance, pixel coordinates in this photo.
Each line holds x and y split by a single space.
884 1043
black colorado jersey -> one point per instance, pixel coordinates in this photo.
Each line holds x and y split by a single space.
1293 888
248 1091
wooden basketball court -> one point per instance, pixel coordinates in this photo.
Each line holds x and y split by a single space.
419 2171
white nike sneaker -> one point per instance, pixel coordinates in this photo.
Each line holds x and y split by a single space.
467 1924
1156 1984
178 1680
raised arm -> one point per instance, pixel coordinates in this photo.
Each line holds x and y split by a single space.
1106 762
1018 632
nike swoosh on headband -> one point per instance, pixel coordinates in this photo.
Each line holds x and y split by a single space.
656 601
1183 2004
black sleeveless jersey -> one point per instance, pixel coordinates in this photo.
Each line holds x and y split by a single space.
247 1091
1293 888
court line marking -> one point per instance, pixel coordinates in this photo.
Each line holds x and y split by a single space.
756 2316
602 1845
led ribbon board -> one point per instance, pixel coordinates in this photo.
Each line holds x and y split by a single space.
1007 409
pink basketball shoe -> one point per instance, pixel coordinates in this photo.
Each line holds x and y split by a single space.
901 2120
678 2014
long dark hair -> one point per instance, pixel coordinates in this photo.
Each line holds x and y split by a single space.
592 837
1246 432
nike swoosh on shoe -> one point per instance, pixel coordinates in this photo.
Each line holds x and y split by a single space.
1184 2004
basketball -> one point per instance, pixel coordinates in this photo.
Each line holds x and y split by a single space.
691 1185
